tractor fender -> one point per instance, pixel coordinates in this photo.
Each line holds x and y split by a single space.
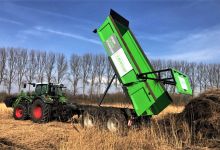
21 99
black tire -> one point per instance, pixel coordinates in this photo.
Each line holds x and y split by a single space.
91 118
20 112
65 113
40 112
145 121
117 122
63 118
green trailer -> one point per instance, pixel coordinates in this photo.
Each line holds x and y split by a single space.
143 85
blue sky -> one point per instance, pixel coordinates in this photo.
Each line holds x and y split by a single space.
182 30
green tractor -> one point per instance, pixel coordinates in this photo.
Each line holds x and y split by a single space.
46 103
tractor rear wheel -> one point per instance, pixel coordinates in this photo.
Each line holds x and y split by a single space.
20 112
40 112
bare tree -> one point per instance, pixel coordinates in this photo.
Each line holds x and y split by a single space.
75 71
61 67
205 81
217 75
3 57
100 71
200 74
49 66
210 76
41 63
11 68
22 58
86 69
93 74
15 64
109 71
31 67
192 76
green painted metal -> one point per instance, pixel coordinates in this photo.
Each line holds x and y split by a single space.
42 91
182 82
128 60
22 97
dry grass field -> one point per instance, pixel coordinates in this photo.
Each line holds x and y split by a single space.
56 135
165 133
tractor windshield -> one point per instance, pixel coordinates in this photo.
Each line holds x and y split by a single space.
41 89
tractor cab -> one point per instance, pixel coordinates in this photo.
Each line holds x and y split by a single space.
54 90
49 89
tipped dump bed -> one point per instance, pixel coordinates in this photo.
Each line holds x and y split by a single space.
128 60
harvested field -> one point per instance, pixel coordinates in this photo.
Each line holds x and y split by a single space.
57 135
194 127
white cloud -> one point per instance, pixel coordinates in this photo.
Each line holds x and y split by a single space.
200 46
205 55
165 37
71 35
11 21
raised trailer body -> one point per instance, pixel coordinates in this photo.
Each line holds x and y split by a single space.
148 95
141 83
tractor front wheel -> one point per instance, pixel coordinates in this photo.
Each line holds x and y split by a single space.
20 112
40 112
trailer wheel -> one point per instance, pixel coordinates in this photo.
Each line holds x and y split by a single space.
20 112
40 112
88 119
117 123
91 118
63 118
145 121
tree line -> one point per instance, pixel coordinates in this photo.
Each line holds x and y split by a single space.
88 74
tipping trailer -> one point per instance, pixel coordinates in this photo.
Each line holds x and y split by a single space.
143 85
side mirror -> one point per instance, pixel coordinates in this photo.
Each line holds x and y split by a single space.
34 84
25 85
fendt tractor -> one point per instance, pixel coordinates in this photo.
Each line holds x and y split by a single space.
143 85
46 103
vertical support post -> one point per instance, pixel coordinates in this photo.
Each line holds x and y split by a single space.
106 90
